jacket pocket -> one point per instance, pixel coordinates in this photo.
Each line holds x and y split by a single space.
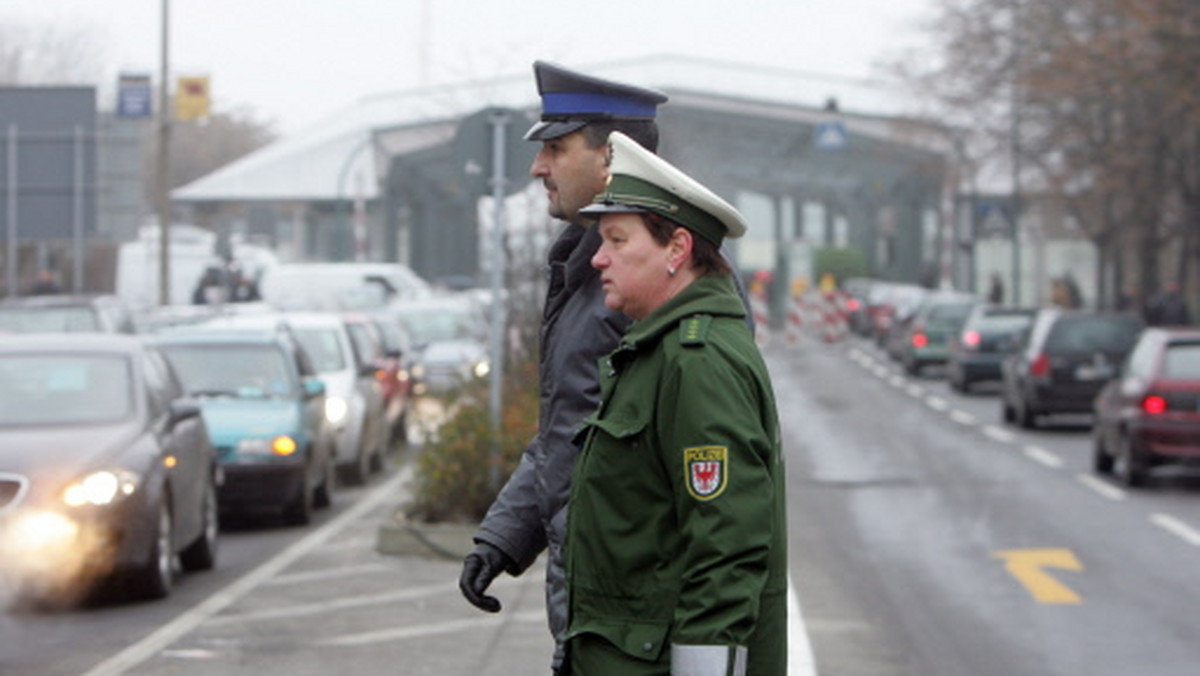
639 639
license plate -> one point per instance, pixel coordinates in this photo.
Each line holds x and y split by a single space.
1093 372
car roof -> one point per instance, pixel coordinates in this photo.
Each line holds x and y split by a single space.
70 342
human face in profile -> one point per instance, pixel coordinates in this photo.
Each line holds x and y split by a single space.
572 172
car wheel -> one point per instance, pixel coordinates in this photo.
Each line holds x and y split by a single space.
202 553
358 471
299 511
1026 417
1130 469
912 367
1009 414
400 430
324 494
1102 462
154 579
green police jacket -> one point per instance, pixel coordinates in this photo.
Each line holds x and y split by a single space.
676 525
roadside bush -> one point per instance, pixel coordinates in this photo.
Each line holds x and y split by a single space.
453 471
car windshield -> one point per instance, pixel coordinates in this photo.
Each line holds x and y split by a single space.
1182 362
949 313
431 324
1003 323
232 370
44 389
323 348
1092 334
67 319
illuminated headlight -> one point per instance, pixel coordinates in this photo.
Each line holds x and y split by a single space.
33 531
281 445
402 375
335 410
100 488
418 371
481 369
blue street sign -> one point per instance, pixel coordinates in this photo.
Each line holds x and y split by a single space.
831 135
134 96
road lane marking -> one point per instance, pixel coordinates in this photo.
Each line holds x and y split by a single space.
421 631
1041 455
1027 566
156 641
962 417
1177 528
916 390
998 434
1102 487
341 603
897 381
315 575
936 403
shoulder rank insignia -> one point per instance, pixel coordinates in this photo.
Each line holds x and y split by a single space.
694 330
707 469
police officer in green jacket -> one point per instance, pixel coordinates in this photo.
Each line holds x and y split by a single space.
676 537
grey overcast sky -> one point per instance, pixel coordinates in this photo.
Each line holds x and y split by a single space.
295 61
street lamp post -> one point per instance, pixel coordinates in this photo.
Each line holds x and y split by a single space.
163 186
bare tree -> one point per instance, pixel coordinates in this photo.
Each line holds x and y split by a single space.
40 55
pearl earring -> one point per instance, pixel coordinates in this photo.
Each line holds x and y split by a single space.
671 271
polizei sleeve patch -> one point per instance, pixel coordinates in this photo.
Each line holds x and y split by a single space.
694 330
707 470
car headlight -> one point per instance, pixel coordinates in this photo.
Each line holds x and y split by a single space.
481 369
36 530
418 371
281 445
335 410
100 488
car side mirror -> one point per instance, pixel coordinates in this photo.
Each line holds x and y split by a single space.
314 387
182 409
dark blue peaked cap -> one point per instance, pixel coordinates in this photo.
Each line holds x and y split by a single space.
571 100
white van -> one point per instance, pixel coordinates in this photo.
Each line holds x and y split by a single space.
340 286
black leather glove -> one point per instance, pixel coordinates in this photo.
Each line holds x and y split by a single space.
479 569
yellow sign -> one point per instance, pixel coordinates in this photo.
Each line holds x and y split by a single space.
1027 566
192 100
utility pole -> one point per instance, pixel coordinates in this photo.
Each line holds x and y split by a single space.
163 185
1016 153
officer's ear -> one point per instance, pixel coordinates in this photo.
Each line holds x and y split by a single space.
679 248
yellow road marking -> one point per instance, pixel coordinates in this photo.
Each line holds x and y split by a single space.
1027 566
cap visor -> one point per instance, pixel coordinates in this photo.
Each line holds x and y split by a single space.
544 131
614 208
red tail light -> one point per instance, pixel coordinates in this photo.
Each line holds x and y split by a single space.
1040 366
1154 404
852 305
920 340
971 339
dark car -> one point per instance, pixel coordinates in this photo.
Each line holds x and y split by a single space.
892 307
66 314
978 349
265 408
106 468
1062 361
1150 414
925 339
381 341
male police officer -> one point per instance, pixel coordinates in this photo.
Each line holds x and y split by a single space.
529 515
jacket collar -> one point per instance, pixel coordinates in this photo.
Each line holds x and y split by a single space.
713 295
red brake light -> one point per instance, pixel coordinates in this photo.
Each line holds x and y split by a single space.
1154 404
971 339
852 305
920 340
1040 366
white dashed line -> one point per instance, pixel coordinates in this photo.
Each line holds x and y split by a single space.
998 434
1041 455
962 417
1102 487
1177 528
916 390
936 403
897 381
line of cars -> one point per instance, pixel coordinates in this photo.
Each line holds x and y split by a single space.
1138 386
121 454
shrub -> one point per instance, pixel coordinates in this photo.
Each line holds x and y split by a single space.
453 477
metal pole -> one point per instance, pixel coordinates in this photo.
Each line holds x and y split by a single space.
77 213
1016 156
164 155
11 267
499 121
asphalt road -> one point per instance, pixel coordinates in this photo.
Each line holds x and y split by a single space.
926 538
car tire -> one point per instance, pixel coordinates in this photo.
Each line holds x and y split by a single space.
324 492
1102 462
1026 416
1007 412
1129 468
202 553
155 578
400 429
912 367
299 511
